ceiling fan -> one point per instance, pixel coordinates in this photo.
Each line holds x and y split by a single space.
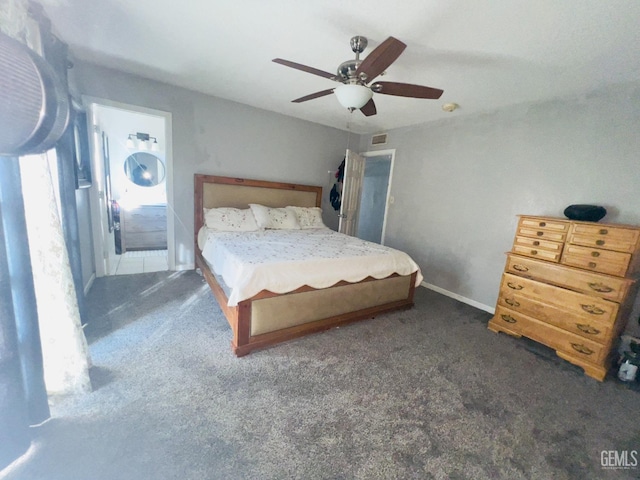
356 90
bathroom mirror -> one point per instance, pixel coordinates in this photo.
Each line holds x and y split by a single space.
144 169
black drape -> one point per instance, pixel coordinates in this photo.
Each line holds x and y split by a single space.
23 298
14 424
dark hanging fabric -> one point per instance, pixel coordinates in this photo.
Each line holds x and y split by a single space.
335 195
15 437
23 297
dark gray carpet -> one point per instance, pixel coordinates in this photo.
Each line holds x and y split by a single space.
427 393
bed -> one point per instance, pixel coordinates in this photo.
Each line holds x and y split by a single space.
267 317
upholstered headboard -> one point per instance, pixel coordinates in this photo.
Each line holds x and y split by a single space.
212 191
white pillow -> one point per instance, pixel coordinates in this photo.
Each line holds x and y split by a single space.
308 217
274 218
227 219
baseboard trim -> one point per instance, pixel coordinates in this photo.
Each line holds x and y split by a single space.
460 298
89 284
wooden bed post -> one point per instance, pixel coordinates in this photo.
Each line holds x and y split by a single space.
242 333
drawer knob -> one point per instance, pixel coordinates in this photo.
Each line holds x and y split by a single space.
534 252
600 242
512 303
513 286
587 329
603 231
592 264
542 224
578 347
539 234
592 309
520 268
508 318
600 287
536 243
595 254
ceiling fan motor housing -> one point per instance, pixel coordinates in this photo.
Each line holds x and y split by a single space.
347 70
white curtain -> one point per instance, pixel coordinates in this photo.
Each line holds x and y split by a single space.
13 18
64 346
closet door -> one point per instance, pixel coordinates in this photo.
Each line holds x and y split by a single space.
352 186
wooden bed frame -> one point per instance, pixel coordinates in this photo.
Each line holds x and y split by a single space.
269 318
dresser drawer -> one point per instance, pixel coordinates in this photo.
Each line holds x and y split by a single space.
538 244
605 286
550 335
591 328
537 251
144 227
145 219
597 260
145 224
542 233
146 240
552 224
604 236
578 303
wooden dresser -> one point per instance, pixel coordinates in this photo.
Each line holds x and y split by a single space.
571 286
143 228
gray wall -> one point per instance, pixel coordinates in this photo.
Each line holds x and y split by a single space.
459 184
216 136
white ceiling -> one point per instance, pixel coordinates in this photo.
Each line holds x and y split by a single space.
484 54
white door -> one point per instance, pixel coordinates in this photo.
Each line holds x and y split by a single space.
104 249
352 185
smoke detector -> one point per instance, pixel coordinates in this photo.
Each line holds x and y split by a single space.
450 107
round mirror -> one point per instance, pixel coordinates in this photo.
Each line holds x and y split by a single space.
144 169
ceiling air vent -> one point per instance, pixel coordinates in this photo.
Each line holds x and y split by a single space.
379 139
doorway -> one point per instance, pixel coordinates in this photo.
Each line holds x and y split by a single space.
365 196
375 195
132 224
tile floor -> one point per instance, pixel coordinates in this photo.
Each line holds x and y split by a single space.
142 261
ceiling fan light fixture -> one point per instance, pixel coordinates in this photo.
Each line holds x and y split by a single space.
354 76
353 96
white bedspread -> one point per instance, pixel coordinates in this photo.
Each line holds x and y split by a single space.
283 260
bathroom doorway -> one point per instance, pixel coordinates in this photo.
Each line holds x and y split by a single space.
132 197
375 195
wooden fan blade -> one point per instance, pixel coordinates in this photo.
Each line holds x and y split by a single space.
406 90
304 68
369 108
380 58
313 95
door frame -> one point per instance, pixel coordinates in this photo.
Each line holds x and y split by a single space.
389 199
96 195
